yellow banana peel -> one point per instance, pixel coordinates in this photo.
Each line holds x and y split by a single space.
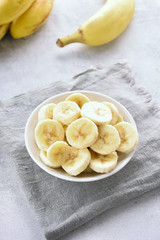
106 25
12 9
32 19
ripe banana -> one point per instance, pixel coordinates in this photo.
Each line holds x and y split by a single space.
103 163
78 98
46 112
3 29
47 132
12 9
66 112
114 112
57 153
108 140
97 112
107 24
128 135
32 19
82 133
43 157
77 162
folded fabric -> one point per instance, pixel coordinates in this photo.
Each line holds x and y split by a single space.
62 206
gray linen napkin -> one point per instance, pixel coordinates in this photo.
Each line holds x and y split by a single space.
62 206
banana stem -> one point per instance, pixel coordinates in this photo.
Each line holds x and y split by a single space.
75 37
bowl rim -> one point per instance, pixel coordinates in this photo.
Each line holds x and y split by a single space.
74 178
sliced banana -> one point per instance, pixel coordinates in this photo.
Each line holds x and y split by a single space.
128 135
103 163
114 112
46 112
97 112
78 98
119 119
77 162
47 132
108 140
82 133
58 153
43 156
66 112
64 132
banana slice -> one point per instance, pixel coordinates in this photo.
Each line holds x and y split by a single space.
128 135
66 112
97 112
114 112
43 156
77 162
108 140
78 98
82 133
46 112
47 132
58 153
119 119
103 163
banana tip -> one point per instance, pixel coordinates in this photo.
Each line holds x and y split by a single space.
59 43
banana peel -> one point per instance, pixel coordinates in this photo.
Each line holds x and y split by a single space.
103 27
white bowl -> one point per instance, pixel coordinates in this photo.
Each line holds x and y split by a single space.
33 150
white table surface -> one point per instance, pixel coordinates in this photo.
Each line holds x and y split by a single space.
35 61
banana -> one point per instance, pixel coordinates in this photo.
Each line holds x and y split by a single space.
114 112
12 9
58 153
78 98
66 112
103 163
82 133
128 135
108 140
43 156
107 24
120 118
46 112
3 29
97 112
77 162
47 132
32 19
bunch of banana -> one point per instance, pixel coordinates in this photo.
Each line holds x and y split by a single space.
106 25
23 17
80 135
